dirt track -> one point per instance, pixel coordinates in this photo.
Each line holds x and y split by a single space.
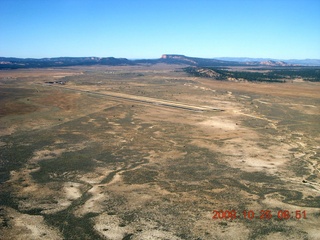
141 99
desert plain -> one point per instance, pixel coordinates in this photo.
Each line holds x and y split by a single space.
150 152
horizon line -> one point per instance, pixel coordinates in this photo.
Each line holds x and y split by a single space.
144 58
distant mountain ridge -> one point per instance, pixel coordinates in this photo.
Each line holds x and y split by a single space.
303 62
15 63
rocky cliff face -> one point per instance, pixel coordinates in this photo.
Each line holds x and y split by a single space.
180 58
274 63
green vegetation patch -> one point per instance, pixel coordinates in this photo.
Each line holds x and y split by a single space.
264 228
139 176
71 226
291 196
299 167
18 150
61 167
259 177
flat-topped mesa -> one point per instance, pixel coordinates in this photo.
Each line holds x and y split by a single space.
177 56
179 59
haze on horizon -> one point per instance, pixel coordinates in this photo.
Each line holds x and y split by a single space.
281 29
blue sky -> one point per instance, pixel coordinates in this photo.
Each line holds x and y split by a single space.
282 29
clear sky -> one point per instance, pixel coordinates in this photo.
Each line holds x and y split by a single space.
282 29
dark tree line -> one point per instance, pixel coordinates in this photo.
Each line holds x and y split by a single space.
268 75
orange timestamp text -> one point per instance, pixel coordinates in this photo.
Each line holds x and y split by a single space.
262 214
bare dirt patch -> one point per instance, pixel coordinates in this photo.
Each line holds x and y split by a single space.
25 226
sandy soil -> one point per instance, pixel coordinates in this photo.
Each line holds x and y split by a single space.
81 165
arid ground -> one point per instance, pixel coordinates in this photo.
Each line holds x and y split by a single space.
79 162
